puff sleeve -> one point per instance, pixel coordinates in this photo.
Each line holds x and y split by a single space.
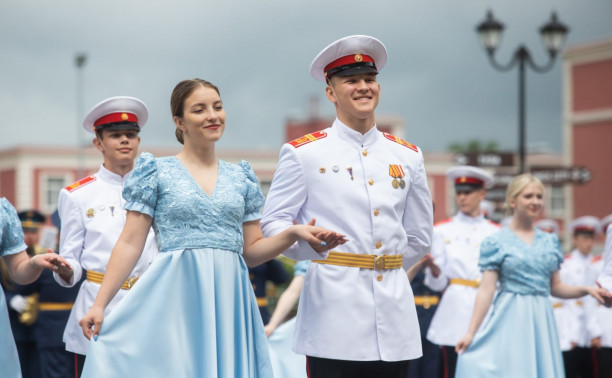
491 256
557 251
11 234
253 198
140 191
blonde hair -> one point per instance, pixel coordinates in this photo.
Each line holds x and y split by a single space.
517 185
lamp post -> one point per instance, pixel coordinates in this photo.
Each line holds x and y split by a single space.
79 61
553 36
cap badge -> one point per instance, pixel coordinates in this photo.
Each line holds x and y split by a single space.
462 179
358 58
124 117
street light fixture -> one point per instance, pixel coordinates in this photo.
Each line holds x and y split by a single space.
553 36
79 60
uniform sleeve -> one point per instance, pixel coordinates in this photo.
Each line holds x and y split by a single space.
72 236
438 252
286 197
491 256
605 278
418 216
11 234
253 199
140 190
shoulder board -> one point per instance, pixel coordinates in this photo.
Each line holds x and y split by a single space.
595 259
568 256
443 221
299 142
495 223
401 141
74 186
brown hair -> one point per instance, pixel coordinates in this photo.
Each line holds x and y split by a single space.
180 93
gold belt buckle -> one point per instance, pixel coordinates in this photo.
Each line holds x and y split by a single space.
131 282
379 262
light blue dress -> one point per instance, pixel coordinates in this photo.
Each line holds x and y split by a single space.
193 313
11 242
285 362
520 337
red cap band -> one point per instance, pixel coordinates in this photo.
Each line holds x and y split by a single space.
116 117
348 59
468 180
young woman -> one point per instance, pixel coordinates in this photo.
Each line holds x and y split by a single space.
23 270
520 337
193 314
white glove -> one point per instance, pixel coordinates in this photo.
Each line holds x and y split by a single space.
18 303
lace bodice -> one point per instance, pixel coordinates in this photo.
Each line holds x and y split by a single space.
184 216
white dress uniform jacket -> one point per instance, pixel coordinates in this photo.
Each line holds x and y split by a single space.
343 181
92 219
577 270
566 315
456 250
603 313
605 277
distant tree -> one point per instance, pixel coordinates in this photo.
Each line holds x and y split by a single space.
473 145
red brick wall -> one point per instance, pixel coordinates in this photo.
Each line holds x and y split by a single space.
7 185
592 149
592 84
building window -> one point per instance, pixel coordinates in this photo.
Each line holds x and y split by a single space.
557 201
52 184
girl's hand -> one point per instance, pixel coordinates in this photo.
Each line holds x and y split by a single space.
602 295
49 260
464 343
92 322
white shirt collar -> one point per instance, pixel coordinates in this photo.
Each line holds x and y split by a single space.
348 134
107 175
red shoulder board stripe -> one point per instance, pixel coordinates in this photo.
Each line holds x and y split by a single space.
308 138
80 183
495 223
595 259
568 256
401 141
443 221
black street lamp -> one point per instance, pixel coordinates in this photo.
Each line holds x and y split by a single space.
553 36
79 61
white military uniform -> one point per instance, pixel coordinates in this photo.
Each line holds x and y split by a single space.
577 270
603 313
456 250
566 315
92 219
342 179
605 277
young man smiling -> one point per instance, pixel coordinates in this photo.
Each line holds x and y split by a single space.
92 215
456 249
357 316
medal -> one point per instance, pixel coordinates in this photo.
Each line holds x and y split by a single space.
350 171
90 213
397 172
112 210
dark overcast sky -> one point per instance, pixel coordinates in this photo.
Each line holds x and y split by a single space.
258 52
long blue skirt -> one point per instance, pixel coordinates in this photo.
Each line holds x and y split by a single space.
192 314
519 340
